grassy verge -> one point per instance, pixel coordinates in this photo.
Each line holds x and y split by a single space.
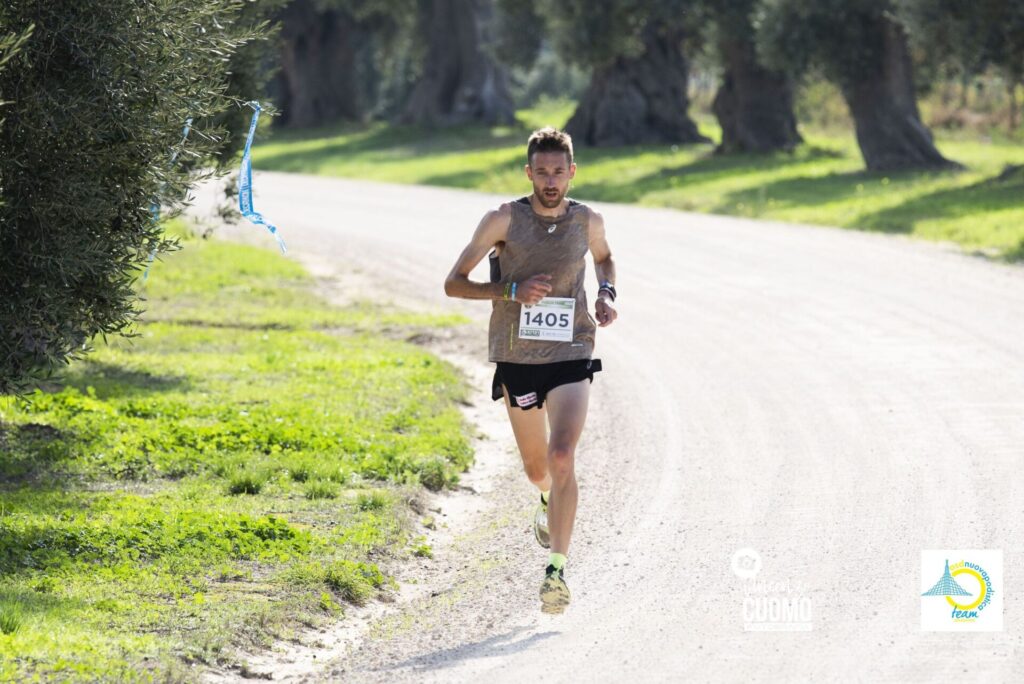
240 468
821 183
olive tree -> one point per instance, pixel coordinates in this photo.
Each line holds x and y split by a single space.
97 95
862 47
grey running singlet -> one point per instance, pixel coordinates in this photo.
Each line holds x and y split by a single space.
533 247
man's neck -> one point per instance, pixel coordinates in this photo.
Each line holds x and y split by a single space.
553 212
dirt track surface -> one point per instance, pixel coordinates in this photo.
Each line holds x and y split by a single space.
837 401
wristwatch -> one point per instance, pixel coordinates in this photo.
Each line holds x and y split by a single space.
607 286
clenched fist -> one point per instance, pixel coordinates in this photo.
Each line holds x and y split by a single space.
531 291
605 312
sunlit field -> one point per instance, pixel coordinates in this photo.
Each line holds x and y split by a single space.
822 182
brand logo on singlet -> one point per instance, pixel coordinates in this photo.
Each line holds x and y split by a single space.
527 399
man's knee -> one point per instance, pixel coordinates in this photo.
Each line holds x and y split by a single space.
536 467
560 459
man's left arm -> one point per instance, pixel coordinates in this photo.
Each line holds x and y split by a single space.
604 265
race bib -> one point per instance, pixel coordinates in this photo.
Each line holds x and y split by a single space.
549 319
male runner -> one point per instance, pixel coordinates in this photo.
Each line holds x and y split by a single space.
541 335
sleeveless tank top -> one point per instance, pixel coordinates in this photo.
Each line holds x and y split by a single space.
532 248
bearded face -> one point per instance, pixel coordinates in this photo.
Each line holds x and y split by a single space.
550 173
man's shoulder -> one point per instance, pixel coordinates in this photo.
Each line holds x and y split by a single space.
496 221
587 210
576 205
502 211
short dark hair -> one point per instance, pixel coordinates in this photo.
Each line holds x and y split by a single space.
548 139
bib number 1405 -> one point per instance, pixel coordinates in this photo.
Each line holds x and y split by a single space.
549 319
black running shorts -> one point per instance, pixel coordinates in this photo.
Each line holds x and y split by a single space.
528 384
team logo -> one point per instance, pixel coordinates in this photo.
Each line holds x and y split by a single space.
967 596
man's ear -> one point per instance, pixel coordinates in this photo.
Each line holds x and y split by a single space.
529 171
572 170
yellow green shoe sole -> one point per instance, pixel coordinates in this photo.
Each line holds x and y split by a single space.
554 595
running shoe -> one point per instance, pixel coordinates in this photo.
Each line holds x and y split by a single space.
554 595
540 525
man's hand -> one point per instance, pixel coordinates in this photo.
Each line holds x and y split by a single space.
531 291
606 313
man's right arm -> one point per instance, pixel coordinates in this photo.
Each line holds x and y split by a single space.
493 229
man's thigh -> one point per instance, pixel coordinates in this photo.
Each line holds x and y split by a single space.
529 427
567 412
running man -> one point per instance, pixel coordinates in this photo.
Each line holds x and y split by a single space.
541 334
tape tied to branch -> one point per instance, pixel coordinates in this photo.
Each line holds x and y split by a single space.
245 182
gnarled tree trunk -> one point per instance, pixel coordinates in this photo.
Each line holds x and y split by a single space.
884 109
460 82
317 81
638 100
754 106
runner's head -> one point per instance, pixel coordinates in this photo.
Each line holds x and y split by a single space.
549 165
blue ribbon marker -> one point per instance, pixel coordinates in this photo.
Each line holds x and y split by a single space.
154 207
245 185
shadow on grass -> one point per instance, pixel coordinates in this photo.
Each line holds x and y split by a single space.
36 453
111 381
390 141
1016 254
220 325
705 168
461 179
471 177
732 164
992 194
32 452
810 191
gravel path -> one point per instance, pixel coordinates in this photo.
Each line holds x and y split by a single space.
836 401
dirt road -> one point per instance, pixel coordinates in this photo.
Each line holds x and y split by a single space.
835 401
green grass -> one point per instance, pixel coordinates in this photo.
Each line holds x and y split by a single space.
222 478
822 183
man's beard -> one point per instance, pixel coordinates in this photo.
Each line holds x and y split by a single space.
549 201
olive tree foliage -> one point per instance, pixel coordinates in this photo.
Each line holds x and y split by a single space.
9 45
862 47
97 97
519 32
521 42
636 50
969 36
